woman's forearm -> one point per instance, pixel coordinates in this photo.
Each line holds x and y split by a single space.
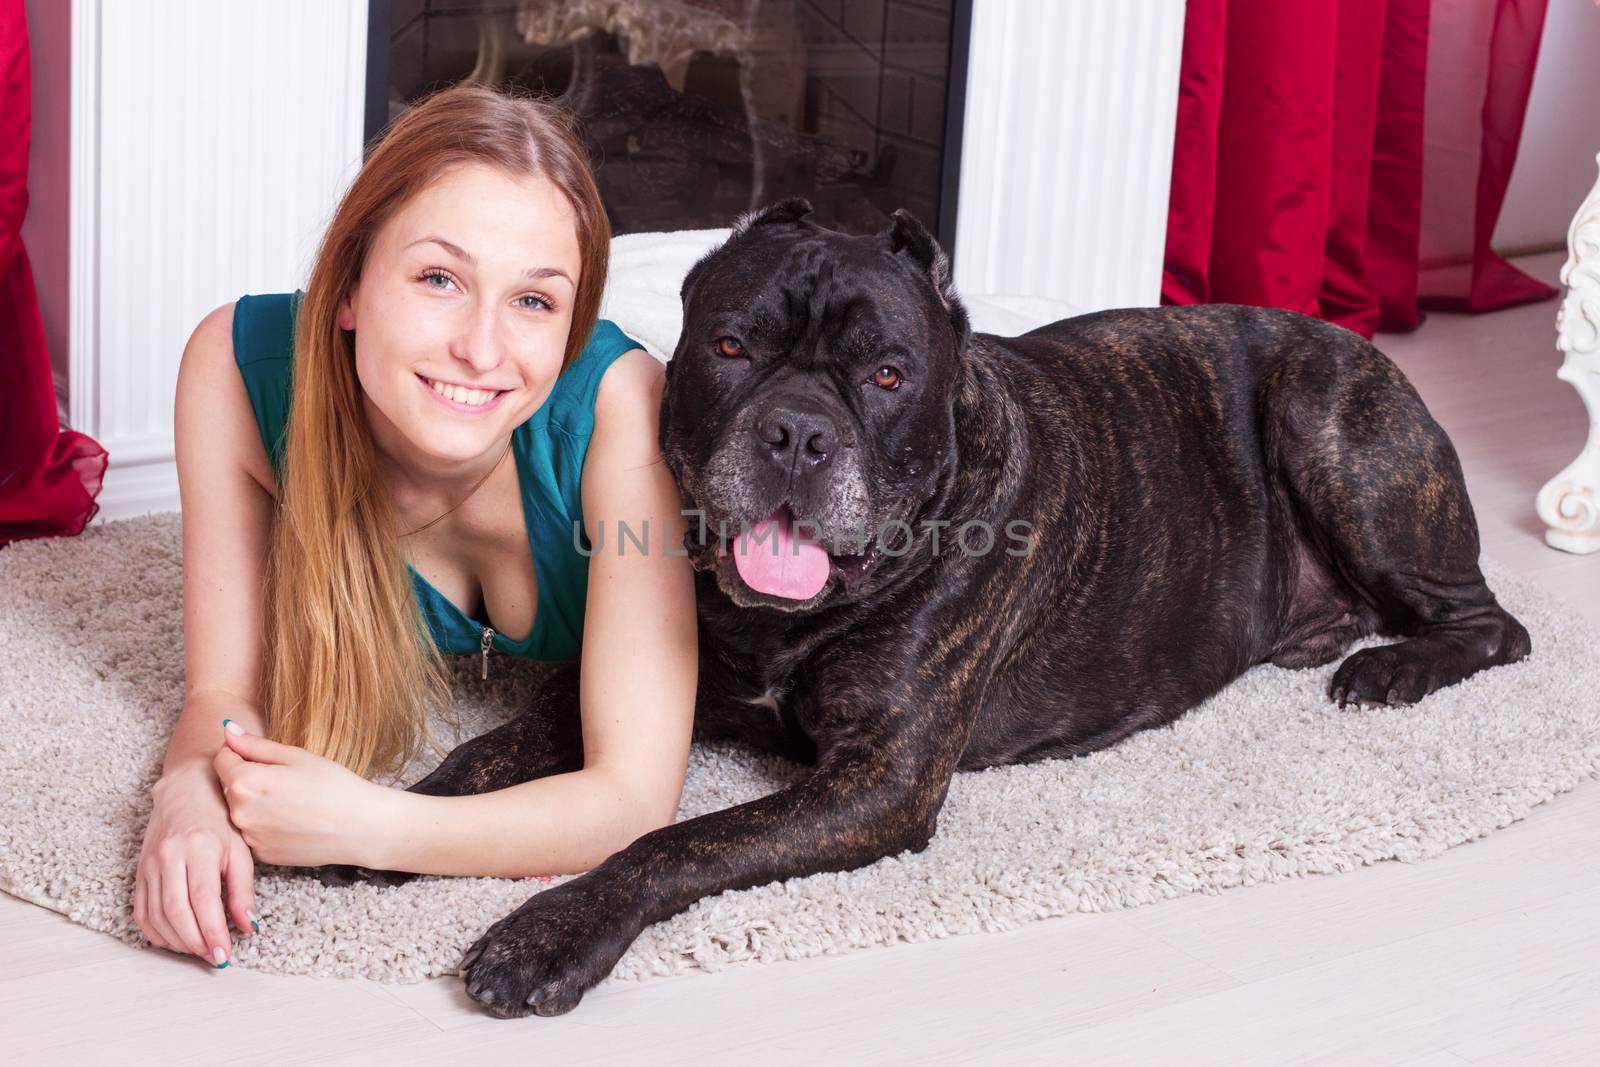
198 733
562 824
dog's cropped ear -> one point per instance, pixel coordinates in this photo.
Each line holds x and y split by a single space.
693 275
793 209
909 238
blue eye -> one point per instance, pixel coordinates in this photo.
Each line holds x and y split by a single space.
442 280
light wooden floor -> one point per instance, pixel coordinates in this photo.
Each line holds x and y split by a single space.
1489 954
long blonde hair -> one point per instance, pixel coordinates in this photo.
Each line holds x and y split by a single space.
350 666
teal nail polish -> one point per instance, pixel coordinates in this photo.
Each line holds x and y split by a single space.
219 966
255 926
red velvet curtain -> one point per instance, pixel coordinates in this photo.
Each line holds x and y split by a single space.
48 478
1348 158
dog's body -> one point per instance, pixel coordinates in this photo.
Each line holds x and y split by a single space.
1169 551
1167 496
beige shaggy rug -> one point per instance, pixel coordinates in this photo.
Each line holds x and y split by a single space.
1264 782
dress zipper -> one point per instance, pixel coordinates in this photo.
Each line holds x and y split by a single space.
483 647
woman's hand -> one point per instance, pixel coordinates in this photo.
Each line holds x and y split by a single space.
297 809
190 849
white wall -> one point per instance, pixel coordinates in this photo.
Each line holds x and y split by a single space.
46 229
1555 162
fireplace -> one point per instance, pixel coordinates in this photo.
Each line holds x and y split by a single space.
696 111
1068 120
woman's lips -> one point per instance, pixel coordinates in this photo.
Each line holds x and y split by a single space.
465 409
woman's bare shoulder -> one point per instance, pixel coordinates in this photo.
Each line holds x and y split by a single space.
628 402
211 393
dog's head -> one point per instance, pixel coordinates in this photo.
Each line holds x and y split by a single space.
808 413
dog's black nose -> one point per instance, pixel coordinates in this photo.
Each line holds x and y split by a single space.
790 431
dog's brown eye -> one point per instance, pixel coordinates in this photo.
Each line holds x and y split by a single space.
731 347
886 378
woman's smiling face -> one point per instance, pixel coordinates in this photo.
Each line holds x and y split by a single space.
462 312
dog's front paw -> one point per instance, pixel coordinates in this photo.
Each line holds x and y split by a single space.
1401 673
544 956
343 874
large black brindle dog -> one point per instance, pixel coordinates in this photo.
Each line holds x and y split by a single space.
1068 536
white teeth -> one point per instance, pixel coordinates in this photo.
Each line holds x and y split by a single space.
470 397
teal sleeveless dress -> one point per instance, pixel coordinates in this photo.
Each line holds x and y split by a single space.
549 449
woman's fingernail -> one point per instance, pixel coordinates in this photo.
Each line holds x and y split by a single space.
253 917
220 957
232 727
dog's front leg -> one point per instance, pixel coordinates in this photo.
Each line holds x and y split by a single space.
874 793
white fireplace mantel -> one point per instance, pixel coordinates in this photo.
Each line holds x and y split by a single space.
210 145
210 142
1066 159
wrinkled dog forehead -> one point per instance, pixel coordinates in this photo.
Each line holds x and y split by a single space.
780 265
789 272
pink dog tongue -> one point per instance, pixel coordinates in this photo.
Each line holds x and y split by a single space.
772 560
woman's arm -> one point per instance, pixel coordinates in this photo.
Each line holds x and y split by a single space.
227 513
193 866
640 663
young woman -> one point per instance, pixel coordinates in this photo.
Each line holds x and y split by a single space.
387 468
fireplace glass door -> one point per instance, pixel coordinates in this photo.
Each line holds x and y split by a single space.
696 111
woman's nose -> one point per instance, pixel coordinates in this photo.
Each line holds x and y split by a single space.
478 343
